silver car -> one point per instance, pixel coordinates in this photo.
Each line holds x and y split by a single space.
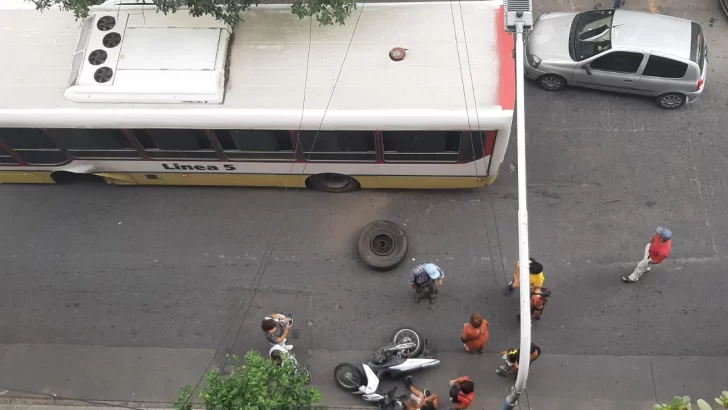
619 50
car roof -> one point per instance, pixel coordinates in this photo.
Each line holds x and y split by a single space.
651 32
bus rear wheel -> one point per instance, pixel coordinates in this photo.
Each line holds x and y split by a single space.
332 183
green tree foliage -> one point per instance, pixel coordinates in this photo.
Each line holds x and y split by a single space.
326 12
684 403
259 384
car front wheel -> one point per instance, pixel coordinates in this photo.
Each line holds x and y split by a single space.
552 82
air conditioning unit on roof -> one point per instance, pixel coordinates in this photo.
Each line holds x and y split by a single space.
135 55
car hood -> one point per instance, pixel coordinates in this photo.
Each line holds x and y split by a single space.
549 39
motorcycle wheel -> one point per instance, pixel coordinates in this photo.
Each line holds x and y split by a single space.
409 334
349 377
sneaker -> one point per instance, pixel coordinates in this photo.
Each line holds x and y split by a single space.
509 289
417 298
288 347
427 392
409 381
626 279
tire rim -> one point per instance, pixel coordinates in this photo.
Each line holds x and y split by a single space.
347 374
551 83
382 244
671 101
333 181
407 335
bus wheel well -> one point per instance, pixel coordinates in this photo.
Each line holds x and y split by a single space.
61 177
329 182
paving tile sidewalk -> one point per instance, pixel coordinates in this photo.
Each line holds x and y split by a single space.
556 381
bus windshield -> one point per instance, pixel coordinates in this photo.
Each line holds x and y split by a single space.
591 33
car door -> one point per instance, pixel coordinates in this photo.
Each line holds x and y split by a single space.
614 71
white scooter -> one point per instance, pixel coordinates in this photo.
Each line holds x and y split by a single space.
407 353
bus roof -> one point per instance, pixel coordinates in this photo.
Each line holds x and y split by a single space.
456 53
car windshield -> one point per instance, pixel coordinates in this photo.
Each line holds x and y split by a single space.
591 33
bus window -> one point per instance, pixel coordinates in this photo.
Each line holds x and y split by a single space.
425 146
338 145
33 146
6 158
176 143
256 144
95 143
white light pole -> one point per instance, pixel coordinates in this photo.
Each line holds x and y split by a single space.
519 19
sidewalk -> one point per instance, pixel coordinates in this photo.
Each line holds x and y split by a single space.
154 375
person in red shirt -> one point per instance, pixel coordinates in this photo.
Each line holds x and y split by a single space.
655 252
462 392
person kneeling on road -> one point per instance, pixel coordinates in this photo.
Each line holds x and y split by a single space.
513 356
425 279
276 328
420 400
462 392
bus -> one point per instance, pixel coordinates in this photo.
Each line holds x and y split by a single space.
404 95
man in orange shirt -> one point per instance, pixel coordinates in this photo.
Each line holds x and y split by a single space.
655 252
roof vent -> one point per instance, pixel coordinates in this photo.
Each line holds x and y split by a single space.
134 58
397 54
97 57
103 75
106 23
111 40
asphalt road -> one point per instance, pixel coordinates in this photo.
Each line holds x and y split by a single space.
175 278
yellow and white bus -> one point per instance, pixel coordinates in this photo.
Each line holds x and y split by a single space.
404 95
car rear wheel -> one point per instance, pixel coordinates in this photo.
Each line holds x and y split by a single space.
671 101
552 82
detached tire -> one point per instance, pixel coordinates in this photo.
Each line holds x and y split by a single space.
382 245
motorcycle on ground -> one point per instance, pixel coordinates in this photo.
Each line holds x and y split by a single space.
406 353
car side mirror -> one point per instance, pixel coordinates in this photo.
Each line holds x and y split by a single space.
587 68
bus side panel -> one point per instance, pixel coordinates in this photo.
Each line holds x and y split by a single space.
262 180
29 177
419 182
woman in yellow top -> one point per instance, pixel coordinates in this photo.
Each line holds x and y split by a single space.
536 278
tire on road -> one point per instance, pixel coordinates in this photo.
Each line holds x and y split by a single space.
671 101
552 82
382 245
335 183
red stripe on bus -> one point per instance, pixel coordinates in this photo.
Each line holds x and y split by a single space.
506 63
489 142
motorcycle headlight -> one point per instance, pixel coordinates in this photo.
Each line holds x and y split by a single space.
533 61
